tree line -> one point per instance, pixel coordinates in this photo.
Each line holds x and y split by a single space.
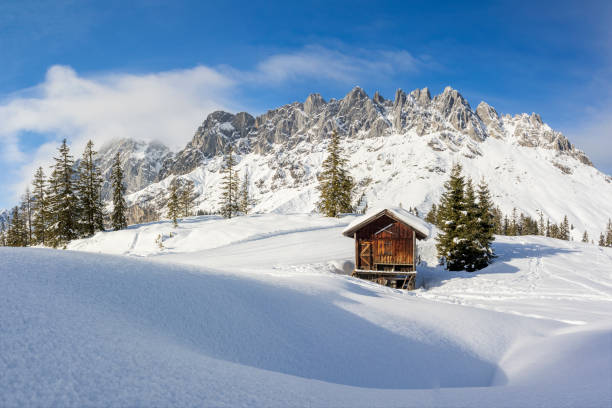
66 204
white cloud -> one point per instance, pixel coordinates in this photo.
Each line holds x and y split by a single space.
164 106
323 63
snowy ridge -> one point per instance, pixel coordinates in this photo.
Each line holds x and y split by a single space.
400 152
239 322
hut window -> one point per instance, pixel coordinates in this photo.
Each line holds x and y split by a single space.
388 248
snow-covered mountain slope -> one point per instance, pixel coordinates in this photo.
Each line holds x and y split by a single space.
249 312
400 152
141 162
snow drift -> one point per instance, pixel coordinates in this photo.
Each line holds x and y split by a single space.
219 318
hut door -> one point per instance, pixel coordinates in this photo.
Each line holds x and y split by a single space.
365 255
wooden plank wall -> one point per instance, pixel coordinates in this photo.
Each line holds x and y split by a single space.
401 238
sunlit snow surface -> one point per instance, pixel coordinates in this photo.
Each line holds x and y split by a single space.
258 311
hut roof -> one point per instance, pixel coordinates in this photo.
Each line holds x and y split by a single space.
422 228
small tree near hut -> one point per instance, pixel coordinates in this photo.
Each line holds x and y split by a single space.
335 183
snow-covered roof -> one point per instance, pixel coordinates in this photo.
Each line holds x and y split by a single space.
397 213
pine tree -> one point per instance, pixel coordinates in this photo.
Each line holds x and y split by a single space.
486 225
602 240
40 207
174 205
90 183
16 235
564 229
26 209
229 185
63 205
585 237
497 221
609 233
542 227
554 231
432 215
451 210
335 184
187 198
245 201
118 219
470 249
2 233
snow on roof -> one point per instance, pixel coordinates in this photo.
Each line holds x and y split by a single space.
399 214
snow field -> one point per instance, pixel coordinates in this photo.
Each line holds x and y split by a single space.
258 311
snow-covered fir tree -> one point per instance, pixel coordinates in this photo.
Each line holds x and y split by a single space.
40 216
335 183
187 198
451 213
118 217
466 219
229 186
174 204
16 235
564 229
486 219
89 186
585 237
244 201
432 215
63 203
26 209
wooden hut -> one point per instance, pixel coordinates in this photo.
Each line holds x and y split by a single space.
385 246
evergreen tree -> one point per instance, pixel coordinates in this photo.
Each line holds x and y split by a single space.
506 227
335 183
2 233
470 251
609 234
174 204
89 186
245 201
450 210
40 217
585 237
542 228
16 236
514 229
564 229
548 227
432 215
229 185
602 240
486 225
63 204
118 218
554 231
497 221
26 209
187 198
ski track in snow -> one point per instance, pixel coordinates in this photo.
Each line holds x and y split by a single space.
259 311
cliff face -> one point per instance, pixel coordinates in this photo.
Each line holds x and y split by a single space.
447 117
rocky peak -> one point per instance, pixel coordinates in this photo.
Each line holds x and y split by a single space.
313 104
400 98
378 99
490 118
140 162
422 97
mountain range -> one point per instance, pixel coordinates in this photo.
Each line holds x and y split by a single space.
400 151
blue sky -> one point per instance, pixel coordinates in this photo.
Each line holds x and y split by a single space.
154 69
